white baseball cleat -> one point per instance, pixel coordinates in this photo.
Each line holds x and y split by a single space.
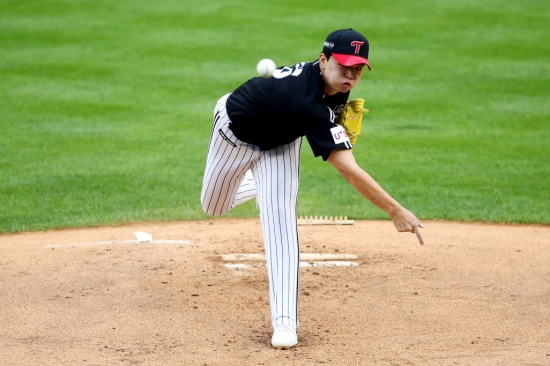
284 337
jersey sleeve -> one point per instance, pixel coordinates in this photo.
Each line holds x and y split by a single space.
323 134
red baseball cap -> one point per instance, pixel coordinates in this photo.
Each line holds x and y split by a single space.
348 47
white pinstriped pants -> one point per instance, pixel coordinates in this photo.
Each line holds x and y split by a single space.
276 177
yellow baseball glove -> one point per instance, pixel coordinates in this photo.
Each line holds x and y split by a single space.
351 118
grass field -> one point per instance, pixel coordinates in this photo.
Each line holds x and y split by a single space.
106 106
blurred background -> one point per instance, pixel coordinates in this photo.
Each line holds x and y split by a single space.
106 107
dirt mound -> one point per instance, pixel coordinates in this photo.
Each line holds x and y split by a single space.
475 294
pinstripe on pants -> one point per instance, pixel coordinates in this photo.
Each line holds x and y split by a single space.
276 177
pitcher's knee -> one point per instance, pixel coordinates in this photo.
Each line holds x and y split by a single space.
207 210
210 209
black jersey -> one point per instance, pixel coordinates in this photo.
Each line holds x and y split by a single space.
270 112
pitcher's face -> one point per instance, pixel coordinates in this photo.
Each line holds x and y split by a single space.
339 78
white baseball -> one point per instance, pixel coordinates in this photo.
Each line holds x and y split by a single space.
266 67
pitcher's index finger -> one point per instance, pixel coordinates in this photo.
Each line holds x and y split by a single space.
416 230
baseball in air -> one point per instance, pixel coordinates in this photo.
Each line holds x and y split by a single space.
266 67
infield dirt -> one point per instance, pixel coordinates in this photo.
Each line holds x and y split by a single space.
474 294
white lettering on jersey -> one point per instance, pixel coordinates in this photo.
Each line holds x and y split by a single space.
339 134
332 115
339 108
289 71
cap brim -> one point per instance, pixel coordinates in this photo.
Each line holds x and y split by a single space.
350 60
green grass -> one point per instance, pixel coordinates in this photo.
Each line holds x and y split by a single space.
106 106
